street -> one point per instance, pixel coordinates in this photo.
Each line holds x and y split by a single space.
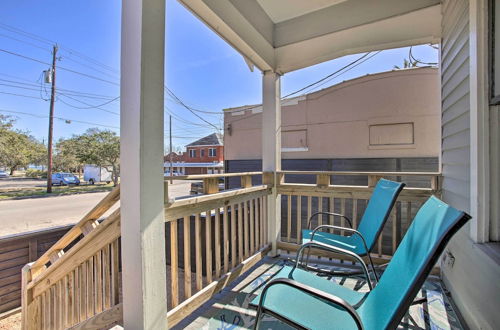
17 216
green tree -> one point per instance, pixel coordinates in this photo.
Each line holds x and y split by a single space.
66 156
101 148
19 149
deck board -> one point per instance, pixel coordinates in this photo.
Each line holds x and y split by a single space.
230 309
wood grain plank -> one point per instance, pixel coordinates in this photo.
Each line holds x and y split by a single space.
198 255
208 246
234 257
218 263
187 256
174 263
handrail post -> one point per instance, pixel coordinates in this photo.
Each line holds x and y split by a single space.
210 186
323 180
246 181
26 296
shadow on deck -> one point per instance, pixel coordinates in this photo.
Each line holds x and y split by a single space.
230 308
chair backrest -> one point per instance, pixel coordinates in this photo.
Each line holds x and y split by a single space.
431 229
378 210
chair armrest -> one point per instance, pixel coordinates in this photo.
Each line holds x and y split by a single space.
330 248
329 214
349 230
312 291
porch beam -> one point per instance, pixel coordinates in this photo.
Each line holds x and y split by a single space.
271 149
142 191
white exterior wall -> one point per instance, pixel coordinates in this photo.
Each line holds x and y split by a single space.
473 277
455 104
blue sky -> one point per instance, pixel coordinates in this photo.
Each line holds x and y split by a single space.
201 69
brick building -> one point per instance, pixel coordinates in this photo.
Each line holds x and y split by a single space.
203 156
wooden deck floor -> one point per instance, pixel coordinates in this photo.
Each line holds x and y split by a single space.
230 309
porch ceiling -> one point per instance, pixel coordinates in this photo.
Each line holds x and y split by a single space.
287 35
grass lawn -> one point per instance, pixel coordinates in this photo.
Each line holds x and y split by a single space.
56 191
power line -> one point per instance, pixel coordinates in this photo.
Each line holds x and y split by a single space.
51 42
193 112
83 94
60 118
323 80
21 95
61 68
89 106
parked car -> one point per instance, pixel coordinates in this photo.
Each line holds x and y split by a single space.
4 174
93 174
63 179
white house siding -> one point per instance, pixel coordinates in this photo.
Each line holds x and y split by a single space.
472 278
455 103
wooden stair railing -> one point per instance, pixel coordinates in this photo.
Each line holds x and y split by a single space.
75 281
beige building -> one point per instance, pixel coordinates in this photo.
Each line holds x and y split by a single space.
388 114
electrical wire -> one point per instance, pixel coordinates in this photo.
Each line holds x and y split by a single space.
60 118
89 106
59 67
323 81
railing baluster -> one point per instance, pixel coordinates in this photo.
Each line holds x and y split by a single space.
225 233
342 211
288 217
233 236
197 235
257 224
90 287
251 223
115 265
83 291
309 206
187 256
217 241
240 233
106 277
208 246
174 263
245 228
98 282
299 220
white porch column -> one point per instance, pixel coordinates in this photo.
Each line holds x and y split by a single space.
142 217
271 148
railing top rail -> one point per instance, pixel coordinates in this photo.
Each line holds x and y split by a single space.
363 173
208 176
97 211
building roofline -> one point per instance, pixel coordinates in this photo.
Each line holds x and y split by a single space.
360 79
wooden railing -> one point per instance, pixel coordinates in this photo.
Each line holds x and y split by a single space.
300 201
76 282
211 239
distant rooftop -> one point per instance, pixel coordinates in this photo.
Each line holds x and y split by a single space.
209 140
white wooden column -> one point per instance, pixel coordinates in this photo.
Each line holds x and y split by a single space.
142 217
271 148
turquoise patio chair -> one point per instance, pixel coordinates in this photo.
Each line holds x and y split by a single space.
303 300
362 240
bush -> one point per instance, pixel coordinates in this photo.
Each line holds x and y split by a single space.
32 173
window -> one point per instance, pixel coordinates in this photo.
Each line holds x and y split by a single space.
212 152
202 152
192 153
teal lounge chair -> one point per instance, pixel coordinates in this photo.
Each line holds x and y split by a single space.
303 300
358 242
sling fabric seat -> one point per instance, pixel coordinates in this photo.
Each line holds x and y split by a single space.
377 212
384 306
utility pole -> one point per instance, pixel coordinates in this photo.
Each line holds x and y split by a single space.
51 120
170 153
